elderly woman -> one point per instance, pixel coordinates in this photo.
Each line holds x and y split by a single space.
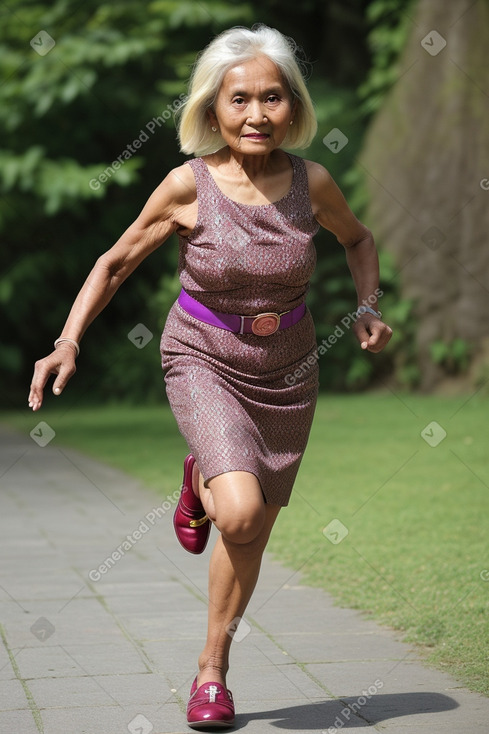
245 213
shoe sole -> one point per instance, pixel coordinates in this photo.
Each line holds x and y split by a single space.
210 724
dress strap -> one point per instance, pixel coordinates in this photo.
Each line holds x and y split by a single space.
199 168
300 181
207 194
300 189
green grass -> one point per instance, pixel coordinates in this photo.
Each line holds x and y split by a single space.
417 516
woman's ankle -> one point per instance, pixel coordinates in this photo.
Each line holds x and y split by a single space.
211 672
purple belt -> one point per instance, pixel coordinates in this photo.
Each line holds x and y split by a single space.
263 324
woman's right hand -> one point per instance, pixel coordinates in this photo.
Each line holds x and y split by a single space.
61 362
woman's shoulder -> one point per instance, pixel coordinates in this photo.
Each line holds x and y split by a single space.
316 172
320 183
318 177
181 182
176 190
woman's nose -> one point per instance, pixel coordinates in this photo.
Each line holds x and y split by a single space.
256 114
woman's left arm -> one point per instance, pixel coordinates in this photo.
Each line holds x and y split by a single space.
333 213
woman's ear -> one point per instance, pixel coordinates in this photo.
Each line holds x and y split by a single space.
294 108
212 118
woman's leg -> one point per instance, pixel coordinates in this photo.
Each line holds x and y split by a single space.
234 501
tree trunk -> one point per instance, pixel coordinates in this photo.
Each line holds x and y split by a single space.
427 163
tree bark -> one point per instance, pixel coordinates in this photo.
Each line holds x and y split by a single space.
426 159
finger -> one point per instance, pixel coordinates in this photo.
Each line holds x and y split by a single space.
56 364
375 332
362 335
39 379
36 393
64 375
35 401
381 333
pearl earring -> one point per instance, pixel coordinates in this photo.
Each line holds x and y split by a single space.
214 129
291 122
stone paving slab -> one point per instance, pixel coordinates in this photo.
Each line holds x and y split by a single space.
98 637
18 720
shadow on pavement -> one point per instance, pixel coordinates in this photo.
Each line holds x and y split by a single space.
326 715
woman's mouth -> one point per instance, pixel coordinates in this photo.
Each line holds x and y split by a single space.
257 136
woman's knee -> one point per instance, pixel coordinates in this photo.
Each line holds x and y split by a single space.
241 526
239 506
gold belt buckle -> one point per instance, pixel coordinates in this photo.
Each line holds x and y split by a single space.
265 324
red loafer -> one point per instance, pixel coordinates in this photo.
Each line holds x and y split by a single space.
210 707
192 526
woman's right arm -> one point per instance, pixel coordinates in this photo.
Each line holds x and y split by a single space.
165 212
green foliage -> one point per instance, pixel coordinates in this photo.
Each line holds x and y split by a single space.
332 295
401 356
453 356
390 22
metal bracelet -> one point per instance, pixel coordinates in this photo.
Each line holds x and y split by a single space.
62 339
366 309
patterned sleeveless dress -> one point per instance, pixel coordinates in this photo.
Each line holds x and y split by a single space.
232 395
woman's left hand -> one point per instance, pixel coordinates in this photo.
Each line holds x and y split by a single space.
372 333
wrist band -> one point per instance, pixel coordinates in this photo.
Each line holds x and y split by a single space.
70 341
366 309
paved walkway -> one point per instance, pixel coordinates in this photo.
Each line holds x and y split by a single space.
96 647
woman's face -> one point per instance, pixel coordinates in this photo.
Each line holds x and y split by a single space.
253 107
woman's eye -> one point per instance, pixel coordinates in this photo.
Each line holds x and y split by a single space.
273 98
238 101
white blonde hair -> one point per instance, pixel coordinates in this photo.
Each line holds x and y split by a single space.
228 49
